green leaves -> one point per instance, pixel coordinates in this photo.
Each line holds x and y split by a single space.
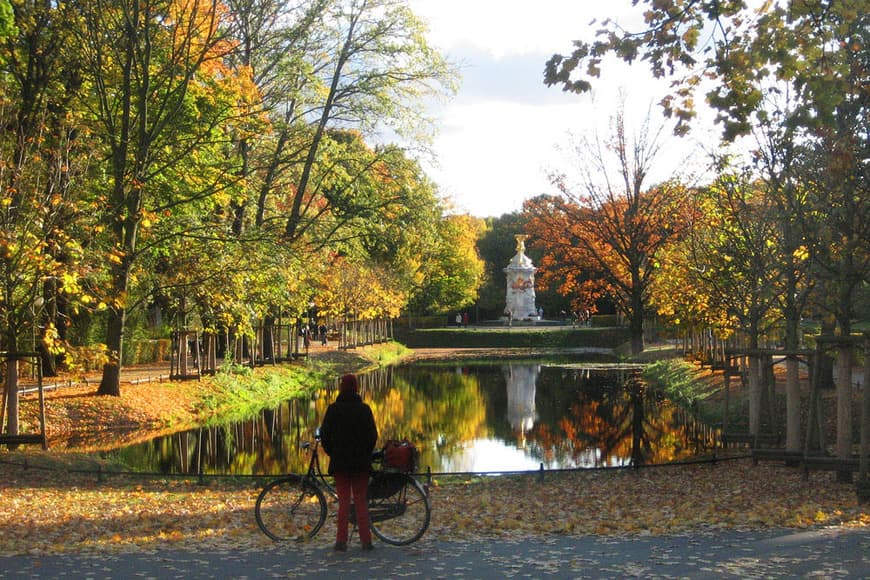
816 46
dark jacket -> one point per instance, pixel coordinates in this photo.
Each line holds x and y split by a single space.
348 434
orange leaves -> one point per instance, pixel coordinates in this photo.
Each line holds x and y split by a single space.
650 501
99 423
48 511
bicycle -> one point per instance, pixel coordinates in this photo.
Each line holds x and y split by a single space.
294 507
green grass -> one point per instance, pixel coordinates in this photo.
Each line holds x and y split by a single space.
677 380
516 337
239 392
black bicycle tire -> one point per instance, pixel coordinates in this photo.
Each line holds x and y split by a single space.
420 498
303 492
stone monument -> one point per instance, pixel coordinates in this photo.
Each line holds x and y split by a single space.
520 301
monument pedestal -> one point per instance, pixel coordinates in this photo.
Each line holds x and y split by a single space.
520 298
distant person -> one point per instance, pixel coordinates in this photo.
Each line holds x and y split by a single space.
349 435
323 330
465 320
458 319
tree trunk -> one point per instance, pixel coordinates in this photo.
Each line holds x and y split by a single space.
11 395
183 352
268 341
111 381
792 377
844 401
864 449
755 385
636 322
792 405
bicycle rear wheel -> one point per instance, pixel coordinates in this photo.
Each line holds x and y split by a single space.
290 508
401 517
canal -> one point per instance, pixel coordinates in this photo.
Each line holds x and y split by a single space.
495 417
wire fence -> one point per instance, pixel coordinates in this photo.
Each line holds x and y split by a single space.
101 474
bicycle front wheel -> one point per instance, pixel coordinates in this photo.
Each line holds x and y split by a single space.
290 508
401 517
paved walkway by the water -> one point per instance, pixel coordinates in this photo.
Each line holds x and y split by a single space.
824 553
130 374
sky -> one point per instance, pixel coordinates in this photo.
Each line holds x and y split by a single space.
505 132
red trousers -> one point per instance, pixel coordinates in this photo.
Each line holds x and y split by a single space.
356 484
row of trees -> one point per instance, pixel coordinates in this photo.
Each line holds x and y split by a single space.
213 162
774 239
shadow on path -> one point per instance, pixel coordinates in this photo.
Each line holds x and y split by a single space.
828 553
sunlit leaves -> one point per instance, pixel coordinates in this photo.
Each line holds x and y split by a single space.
360 289
75 512
815 46
7 19
452 269
44 151
603 235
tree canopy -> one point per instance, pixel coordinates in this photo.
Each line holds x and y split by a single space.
214 164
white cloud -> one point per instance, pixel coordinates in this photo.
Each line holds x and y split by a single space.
498 137
510 27
494 155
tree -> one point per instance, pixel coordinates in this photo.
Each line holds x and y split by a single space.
7 19
838 188
777 162
155 67
42 157
736 257
817 47
331 74
816 50
382 64
611 226
284 46
452 270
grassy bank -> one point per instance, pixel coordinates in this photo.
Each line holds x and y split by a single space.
515 337
239 392
682 383
80 421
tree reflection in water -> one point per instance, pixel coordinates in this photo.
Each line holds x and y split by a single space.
487 417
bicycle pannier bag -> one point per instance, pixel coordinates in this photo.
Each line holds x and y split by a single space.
400 455
386 485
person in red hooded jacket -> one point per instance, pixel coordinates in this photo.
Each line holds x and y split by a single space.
348 435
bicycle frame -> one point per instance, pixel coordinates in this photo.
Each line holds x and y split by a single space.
393 496
380 513
314 474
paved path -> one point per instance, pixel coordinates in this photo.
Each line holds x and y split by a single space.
831 553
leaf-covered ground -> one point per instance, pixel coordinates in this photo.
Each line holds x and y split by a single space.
47 511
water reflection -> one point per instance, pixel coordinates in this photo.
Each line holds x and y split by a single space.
478 418
521 383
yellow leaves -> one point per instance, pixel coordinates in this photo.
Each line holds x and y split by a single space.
801 254
75 512
732 495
